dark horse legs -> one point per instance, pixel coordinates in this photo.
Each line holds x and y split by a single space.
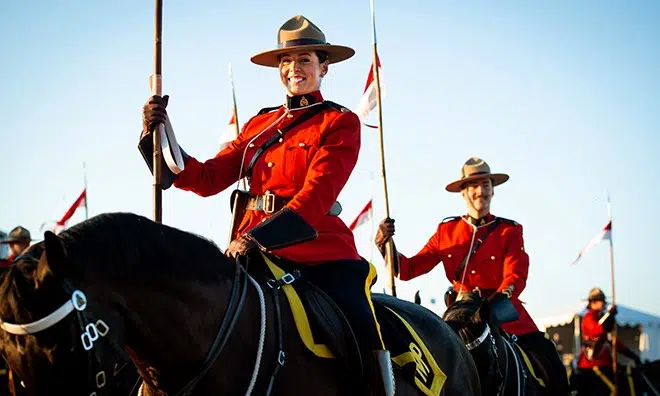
545 349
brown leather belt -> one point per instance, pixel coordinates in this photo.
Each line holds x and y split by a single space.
270 203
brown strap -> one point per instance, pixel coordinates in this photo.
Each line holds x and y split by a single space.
457 275
270 203
280 133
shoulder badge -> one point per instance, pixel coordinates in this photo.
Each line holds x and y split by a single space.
450 219
268 110
337 107
508 221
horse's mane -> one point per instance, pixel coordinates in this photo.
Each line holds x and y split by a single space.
120 245
461 311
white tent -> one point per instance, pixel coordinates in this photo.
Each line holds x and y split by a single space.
4 249
639 330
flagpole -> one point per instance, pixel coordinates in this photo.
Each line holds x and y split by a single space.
156 82
86 192
238 129
389 246
614 329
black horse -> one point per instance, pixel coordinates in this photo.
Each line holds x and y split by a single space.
184 313
504 369
631 381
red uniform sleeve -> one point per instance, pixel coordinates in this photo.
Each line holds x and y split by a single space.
218 173
424 261
329 169
516 261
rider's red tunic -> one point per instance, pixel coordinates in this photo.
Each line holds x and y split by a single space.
310 165
500 261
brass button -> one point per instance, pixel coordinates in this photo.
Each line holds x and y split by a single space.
449 255
270 164
251 145
492 257
301 144
289 115
281 140
473 272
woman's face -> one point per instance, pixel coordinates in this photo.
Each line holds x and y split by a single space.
301 72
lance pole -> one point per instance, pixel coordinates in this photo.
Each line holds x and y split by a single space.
614 329
156 85
236 124
389 246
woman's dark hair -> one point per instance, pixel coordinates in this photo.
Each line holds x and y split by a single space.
322 55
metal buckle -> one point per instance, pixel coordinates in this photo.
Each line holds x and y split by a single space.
281 358
268 202
102 328
79 300
288 279
100 379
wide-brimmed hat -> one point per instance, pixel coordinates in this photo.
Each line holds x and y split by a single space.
596 294
299 33
476 169
18 235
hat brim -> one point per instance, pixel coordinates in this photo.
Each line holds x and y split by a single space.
336 53
457 186
8 241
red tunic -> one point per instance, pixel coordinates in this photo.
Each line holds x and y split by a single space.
592 331
500 261
310 165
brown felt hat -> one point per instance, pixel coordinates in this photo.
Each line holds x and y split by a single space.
299 33
18 235
476 169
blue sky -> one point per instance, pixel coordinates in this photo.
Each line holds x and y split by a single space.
561 95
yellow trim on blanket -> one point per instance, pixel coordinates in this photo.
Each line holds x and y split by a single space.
631 384
299 314
415 355
529 365
605 380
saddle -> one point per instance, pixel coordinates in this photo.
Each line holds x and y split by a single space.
326 333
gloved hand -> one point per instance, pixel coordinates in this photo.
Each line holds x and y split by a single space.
385 232
240 247
613 310
154 113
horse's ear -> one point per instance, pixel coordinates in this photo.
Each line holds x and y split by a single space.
418 299
55 254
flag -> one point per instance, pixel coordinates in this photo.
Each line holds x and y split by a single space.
229 135
604 235
370 97
361 218
81 201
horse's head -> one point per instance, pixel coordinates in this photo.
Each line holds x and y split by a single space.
42 321
468 315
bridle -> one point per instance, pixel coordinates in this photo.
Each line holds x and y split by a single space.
92 330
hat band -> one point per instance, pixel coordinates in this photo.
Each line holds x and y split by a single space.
476 174
299 42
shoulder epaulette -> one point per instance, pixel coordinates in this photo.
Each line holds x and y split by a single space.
337 107
508 221
268 110
450 218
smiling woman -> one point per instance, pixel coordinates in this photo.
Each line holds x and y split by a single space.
297 158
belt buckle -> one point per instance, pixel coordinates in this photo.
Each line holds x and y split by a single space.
268 203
